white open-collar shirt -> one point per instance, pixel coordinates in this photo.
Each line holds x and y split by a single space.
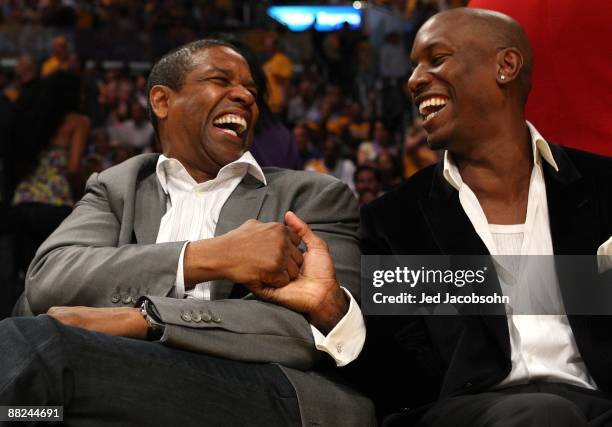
192 212
543 347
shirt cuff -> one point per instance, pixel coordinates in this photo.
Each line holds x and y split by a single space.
604 256
179 283
345 341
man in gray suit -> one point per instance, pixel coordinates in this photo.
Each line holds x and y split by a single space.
158 250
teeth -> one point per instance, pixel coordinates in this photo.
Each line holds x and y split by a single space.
433 101
232 118
431 115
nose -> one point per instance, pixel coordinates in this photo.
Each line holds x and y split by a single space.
419 79
242 95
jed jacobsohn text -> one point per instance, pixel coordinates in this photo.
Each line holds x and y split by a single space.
413 277
440 298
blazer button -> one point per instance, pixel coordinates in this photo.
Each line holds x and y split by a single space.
206 317
115 298
186 316
196 317
216 318
127 299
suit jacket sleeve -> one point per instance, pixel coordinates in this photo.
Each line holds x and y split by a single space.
256 331
83 262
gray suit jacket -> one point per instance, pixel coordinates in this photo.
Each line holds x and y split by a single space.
104 254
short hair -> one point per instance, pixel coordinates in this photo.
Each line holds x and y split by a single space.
172 68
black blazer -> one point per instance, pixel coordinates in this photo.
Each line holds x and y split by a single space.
410 362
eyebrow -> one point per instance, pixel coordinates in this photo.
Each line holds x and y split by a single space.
248 83
431 47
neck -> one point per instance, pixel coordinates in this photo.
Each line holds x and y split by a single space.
499 164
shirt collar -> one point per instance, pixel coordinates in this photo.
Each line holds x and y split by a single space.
172 167
540 148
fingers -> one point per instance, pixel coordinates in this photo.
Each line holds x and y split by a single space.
296 255
292 269
302 229
278 280
295 239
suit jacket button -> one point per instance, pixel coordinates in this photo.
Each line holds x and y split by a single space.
115 298
216 318
186 316
206 317
196 317
127 299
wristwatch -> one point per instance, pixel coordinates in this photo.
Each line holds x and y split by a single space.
155 329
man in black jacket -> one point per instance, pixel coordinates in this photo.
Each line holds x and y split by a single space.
501 190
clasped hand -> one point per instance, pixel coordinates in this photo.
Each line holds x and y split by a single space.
262 256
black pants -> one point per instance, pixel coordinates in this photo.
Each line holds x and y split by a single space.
104 380
538 404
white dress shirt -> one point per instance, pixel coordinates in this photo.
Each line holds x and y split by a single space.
543 347
192 212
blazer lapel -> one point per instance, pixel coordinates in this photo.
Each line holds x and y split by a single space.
150 207
449 225
574 223
571 209
454 234
244 203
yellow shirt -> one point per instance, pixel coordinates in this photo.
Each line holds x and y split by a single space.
279 70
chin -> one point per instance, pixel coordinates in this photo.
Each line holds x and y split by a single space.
436 143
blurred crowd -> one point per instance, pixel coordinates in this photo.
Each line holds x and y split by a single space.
336 103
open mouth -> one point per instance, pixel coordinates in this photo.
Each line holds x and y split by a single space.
430 107
231 124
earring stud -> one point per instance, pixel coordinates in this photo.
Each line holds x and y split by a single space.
502 77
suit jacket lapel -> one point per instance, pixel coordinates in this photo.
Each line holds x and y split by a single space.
574 230
449 225
571 209
150 207
244 203
454 234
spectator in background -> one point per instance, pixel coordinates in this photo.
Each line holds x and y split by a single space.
358 128
393 64
368 184
416 154
391 170
382 142
60 59
273 144
279 70
51 154
301 102
101 156
332 163
135 133
25 78
303 139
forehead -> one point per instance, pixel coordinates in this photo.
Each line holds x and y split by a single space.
220 57
446 31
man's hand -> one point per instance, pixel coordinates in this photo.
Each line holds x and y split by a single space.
253 254
119 321
315 292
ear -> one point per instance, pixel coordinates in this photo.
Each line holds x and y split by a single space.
159 96
509 64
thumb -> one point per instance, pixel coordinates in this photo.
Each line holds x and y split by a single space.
302 229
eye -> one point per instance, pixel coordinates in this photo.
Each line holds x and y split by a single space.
220 80
438 59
